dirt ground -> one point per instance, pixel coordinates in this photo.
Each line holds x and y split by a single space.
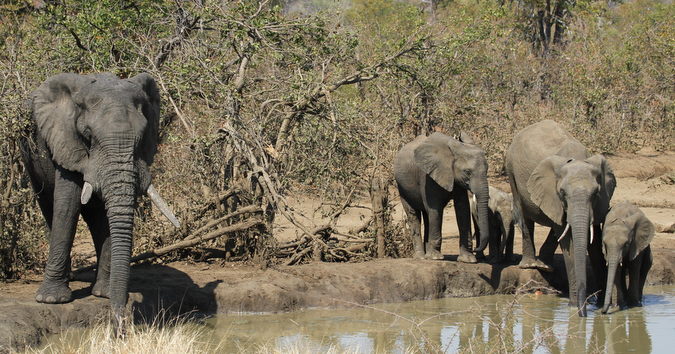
646 179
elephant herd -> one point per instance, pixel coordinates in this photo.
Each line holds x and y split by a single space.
93 138
554 182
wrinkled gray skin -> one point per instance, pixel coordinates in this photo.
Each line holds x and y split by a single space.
626 235
101 130
430 171
554 182
501 221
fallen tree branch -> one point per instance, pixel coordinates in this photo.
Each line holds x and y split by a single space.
196 240
212 223
186 243
361 228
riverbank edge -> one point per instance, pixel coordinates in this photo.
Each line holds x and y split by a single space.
179 289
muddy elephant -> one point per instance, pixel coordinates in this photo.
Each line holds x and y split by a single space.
626 235
501 221
430 171
556 183
93 139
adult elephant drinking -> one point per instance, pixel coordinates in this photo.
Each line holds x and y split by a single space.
556 184
430 171
93 140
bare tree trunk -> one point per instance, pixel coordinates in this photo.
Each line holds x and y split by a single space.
378 197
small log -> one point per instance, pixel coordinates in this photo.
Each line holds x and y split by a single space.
296 257
351 238
361 228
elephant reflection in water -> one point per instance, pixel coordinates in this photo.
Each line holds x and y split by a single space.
538 331
622 332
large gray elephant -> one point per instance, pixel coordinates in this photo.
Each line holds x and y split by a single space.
93 140
556 184
501 221
626 235
430 171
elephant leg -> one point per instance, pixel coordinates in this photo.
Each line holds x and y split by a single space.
598 265
414 223
621 289
54 289
529 260
476 236
463 216
547 250
95 216
495 243
634 268
425 234
509 243
46 203
433 242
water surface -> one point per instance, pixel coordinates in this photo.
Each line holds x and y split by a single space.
501 323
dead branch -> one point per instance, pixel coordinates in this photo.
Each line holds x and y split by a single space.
190 242
193 241
212 223
302 106
361 228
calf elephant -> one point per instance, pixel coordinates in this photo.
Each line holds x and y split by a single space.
430 171
93 139
556 184
626 235
501 221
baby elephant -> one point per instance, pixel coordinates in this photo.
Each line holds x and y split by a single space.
625 237
501 223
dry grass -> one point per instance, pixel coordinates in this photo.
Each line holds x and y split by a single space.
181 337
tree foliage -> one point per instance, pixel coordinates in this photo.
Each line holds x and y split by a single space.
281 99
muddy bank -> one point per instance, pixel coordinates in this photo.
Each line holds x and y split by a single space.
208 289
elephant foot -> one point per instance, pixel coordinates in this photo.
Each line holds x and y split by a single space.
419 255
101 288
529 263
466 257
433 254
54 292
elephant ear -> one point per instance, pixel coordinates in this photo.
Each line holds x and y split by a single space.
151 113
56 113
607 186
466 138
542 186
644 233
436 160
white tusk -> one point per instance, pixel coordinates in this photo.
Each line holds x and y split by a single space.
159 202
567 228
87 189
591 233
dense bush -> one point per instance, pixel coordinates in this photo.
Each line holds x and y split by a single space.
322 102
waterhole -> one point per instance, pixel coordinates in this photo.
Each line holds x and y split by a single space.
527 323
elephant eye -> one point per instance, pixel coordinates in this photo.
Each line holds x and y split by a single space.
467 172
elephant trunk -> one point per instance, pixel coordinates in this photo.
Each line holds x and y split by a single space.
611 274
482 198
119 182
579 219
